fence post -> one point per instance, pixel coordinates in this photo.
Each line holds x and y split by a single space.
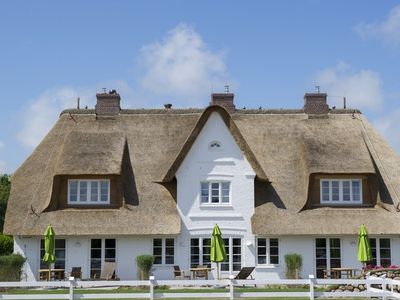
368 284
231 288
311 283
151 278
71 287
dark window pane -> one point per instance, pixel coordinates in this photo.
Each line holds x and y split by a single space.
169 260
110 243
384 243
334 243
157 242
95 243
60 243
262 260
320 243
194 242
262 242
157 260
274 260
274 251
109 253
95 253
169 242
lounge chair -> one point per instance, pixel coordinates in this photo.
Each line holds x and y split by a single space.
107 272
244 273
178 273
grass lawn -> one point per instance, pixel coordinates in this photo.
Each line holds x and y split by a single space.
163 290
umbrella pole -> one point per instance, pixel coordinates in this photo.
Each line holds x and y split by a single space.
49 272
217 270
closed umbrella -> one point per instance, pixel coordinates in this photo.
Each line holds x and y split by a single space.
364 253
218 253
49 247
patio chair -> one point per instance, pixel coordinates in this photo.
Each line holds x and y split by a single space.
178 273
76 272
244 273
107 272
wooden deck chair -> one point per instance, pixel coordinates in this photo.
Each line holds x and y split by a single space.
244 273
108 272
178 273
76 272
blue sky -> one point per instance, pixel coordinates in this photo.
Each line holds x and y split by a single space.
154 52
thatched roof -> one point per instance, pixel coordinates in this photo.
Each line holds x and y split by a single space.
284 147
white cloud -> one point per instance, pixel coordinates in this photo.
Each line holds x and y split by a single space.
388 126
43 112
388 30
362 89
182 65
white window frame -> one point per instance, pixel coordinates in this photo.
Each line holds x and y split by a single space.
341 201
88 192
268 251
379 248
163 250
230 246
103 251
219 203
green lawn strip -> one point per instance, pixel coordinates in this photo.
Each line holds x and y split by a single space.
145 290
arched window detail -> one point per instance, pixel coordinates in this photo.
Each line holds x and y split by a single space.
215 145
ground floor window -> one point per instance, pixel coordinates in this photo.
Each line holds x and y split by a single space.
327 255
59 253
101 250
164 251
267 251
381 252
200 249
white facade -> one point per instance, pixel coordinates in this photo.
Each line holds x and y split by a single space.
214 157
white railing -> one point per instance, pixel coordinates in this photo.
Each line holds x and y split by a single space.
375 287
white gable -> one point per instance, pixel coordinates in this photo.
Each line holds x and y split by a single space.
215 156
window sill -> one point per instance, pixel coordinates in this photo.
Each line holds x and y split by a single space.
215 205
267 266
344 205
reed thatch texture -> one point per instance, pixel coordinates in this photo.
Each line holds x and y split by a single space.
283 146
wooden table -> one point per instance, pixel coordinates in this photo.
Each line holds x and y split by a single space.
195 272
337 272
55 274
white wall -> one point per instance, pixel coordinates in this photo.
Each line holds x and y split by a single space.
225 164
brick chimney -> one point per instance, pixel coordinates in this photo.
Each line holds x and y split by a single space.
108 104
225 100
315 104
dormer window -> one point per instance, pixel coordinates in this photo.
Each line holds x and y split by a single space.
215 192
82 192
215 145
341 191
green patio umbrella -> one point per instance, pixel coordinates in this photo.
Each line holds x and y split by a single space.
364 254
218 253
49 247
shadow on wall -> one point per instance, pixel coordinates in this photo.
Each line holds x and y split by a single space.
264 192
128 179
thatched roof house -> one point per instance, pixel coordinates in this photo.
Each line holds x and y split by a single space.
141 149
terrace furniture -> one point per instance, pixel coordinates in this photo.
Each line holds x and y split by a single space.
337 272
244 273
107 272
200 272
178 273
52 274
76 272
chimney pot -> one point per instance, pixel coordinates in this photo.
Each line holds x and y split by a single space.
225 100
108 104
315 104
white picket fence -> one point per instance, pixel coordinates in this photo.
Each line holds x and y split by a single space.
376 287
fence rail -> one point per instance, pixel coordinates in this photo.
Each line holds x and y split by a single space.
375 287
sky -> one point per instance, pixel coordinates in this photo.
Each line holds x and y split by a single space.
270 53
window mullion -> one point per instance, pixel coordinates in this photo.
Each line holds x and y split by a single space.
78 196
340 190
98 191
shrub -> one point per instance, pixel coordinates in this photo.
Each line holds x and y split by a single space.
6 245
145 263
294 263
10 267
